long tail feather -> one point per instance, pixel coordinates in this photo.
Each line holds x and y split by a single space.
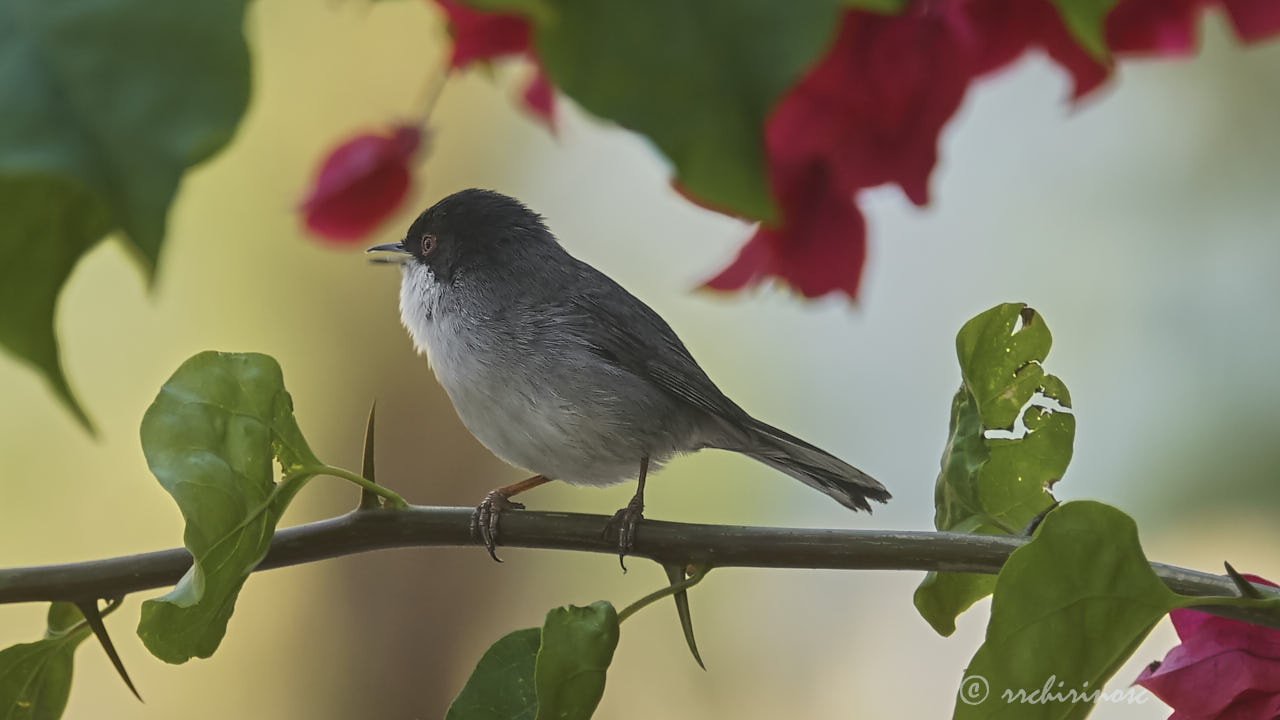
814 467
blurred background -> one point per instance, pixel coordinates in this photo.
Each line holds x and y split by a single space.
1143 225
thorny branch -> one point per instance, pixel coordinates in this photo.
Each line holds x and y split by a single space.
667 543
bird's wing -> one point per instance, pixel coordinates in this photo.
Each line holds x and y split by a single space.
629 334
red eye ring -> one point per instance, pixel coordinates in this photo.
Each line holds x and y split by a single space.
428 244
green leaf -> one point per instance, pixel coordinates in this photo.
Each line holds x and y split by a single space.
942 597
1086 21
63 617
106 103
997 485
49 223
577 647
699 78
501 686
35 678
557 671
1069 608
209 438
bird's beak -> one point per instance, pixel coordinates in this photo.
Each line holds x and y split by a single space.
397 248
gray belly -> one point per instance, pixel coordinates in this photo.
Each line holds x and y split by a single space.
557 409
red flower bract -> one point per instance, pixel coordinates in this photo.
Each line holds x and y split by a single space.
540 96
1254 19
1008 28
360 184
871 110
482 36
869 113
819 250
1154 27
1223 670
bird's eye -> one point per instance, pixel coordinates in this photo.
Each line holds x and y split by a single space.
428 244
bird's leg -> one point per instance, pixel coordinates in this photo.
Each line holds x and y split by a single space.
484 521
625 520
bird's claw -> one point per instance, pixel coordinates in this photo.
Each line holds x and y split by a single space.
484 521
624 522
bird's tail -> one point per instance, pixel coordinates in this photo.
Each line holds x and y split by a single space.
814 467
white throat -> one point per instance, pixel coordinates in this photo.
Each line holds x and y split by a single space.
419 305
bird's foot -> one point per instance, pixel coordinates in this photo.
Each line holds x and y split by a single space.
624 523
484 521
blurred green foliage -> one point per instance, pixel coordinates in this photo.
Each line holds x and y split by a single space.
106 102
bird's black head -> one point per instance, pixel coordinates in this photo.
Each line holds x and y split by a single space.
469 229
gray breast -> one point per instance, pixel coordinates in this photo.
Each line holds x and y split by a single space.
534 394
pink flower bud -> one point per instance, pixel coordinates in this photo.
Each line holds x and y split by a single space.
360 184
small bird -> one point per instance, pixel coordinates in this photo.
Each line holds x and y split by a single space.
558 370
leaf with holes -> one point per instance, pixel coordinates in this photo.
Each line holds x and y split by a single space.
209 438
990 484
